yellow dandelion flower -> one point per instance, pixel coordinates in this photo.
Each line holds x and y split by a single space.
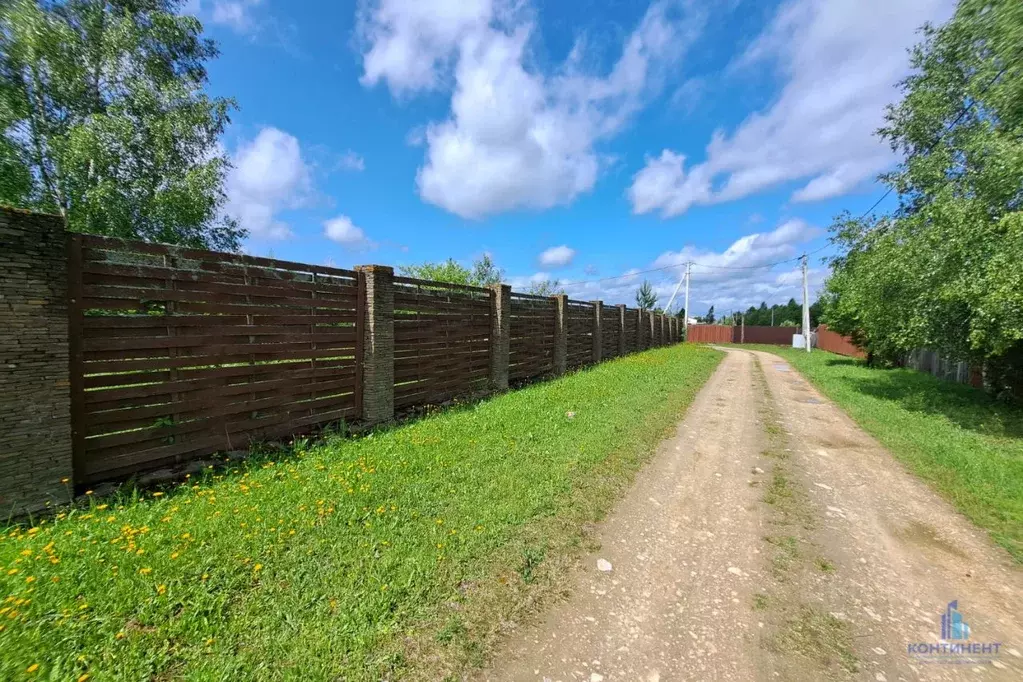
88 492
258 567
102 507
157 494
174 555
145 571
161 589
83 607
383 588
32 668
30 579
83 677
55 579
120 635
65 479
12 571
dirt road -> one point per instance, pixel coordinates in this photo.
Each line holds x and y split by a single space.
771 539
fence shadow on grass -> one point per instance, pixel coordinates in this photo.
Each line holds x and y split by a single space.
967 407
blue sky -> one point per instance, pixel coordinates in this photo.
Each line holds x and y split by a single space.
573 140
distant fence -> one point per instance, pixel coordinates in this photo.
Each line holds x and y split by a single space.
167 354
719 333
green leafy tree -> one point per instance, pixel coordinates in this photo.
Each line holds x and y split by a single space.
106 121
482 273
546 287
646 299
709 317
943 271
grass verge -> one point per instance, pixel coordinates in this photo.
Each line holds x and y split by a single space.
392 555
968 446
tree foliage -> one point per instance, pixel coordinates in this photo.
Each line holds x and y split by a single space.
942 272
646 299
105 120
546 287
482 273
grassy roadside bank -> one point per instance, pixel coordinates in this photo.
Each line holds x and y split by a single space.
966 445
396 554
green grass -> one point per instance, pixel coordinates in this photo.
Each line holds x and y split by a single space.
968 446
394 554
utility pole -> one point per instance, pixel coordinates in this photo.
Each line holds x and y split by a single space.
806 307
742 336
772 316
689 275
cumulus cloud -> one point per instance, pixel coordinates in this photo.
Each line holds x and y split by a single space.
734 278
557 257
346 233
840 61
269 175
516 137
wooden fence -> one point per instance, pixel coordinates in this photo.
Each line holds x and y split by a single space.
176 352
179 353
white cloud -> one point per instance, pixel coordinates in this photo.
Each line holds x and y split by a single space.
343 231
557 257
351 161
738 279
269 175
841 60
517 138
235 14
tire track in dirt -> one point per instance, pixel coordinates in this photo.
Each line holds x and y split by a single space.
771 539
897 553
685 549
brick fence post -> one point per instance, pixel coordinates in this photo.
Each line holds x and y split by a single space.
560 334
621 329
35 393
378 345
640 335
598 340
500 335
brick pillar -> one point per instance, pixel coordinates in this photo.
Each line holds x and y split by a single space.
500 335
378 345
640 330
560 334
598 340
621 329
35 393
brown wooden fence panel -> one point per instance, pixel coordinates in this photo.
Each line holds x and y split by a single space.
187 352
579 323
775 336
441 341
710 333
609 333
630 330
531 346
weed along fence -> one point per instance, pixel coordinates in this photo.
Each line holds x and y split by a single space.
124 357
